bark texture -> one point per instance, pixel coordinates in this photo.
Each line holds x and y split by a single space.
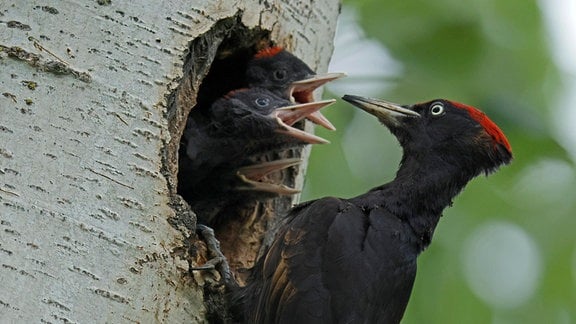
94 100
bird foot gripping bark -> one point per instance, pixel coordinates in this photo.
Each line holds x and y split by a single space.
218 260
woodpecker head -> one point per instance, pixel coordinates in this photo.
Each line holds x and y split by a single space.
287 76
459 134
275 69
257 115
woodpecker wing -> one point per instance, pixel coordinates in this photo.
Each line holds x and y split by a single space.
288 278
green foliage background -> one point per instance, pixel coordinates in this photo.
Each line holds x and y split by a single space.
493 55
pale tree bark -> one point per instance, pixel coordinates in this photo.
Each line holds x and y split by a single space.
94 99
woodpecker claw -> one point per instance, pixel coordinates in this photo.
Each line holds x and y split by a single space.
295 113
218 261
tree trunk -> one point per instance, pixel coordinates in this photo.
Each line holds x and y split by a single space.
95 95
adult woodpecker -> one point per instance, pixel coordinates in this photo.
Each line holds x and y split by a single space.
354 260
281 72
242 125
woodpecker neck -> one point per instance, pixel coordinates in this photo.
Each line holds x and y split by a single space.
423 187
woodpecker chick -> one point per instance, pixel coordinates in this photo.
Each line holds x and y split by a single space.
244 124
281 72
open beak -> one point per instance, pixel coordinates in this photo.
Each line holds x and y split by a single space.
387 112
252 174
295 113
302 92
299 134
258 171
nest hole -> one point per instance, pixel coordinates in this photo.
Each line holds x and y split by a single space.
216 65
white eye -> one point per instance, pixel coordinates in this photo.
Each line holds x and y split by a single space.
280 74
262 102
437 109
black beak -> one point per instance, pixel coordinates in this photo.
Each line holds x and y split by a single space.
387 112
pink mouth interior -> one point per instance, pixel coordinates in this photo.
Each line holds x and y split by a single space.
303 96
